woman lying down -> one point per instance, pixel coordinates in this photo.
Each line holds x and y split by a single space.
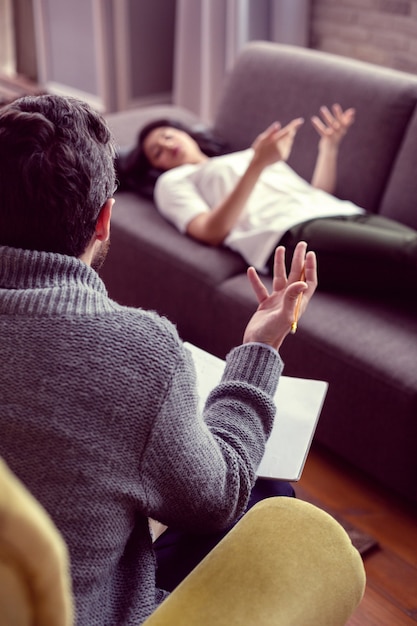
252 200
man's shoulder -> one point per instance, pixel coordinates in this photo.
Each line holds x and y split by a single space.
134 324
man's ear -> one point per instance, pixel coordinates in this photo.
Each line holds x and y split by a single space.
103 221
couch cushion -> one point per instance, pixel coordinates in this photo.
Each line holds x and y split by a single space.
364 349
277 82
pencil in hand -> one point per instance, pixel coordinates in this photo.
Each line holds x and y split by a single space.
297 307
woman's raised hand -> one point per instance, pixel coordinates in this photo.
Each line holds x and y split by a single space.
275 143
333 125
276 311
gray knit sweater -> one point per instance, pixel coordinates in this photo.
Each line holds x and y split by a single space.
98 416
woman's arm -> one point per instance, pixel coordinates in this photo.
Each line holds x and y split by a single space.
273 145
331 128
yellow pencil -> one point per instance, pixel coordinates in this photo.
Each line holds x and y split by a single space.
297 306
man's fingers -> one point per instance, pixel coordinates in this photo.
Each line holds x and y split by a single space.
298 262
310 267
261 292
280 274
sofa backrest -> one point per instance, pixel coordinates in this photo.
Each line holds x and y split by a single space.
279 82
400 198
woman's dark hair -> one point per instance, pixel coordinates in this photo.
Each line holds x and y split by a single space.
135 172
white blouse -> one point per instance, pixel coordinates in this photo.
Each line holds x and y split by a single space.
281 199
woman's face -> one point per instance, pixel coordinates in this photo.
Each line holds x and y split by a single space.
167 147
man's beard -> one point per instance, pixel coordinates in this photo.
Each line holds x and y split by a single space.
100 255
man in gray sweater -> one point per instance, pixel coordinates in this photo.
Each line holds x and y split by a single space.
98 402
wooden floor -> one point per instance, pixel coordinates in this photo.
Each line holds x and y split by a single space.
391 593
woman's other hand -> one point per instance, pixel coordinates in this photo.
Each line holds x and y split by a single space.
333 125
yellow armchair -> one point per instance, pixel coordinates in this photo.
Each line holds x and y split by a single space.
286 563
35 588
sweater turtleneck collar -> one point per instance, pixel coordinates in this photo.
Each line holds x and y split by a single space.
26 274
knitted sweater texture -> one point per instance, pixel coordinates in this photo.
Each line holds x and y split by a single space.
99 418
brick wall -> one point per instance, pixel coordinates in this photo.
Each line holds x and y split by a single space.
383 32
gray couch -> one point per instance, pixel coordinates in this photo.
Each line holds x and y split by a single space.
364 347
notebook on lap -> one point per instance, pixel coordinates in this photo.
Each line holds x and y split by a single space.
299 402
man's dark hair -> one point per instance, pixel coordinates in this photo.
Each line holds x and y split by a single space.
56 172
133 168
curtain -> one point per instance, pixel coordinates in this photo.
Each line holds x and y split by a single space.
209 35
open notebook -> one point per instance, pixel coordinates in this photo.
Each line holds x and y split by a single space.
299 402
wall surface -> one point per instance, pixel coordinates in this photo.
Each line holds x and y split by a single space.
121 53
383 32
